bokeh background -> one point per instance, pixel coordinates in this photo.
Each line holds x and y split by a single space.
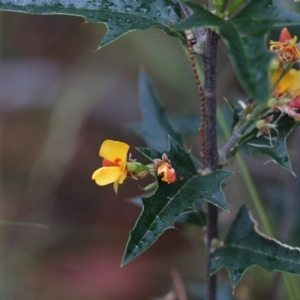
59 99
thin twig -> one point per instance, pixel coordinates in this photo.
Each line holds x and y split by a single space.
178 285
196 37
202 101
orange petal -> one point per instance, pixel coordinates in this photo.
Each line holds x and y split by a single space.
114 150
107 175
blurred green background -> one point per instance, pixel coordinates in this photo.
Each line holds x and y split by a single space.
59 99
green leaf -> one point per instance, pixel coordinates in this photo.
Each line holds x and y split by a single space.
170 200
120 17
197 217
245 246
156 124
244 36
252 145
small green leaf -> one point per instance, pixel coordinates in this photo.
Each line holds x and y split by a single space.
120 17
170 200
245 246
262 145
244 36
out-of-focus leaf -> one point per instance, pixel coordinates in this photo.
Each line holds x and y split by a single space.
252 145
120 17
244 36
188 124
170 200
245 246
156 124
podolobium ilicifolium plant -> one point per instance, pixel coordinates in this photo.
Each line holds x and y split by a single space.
266 70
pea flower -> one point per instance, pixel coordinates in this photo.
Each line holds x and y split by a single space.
114 169
286 47
164 168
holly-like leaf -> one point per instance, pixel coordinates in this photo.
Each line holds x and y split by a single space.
274 148
244 36
170 200
119 16
156 124
245 246
197 217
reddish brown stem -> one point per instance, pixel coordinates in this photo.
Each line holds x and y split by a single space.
202 101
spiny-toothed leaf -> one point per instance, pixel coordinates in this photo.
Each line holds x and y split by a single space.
170 200
244 36
276 148
245 246
119 16
156 124
197 217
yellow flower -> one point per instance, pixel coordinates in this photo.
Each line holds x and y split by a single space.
114 168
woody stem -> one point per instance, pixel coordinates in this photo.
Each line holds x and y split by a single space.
211 150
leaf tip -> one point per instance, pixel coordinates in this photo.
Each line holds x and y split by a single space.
125 261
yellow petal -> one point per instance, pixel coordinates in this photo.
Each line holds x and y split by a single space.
107 175
295 89
114 150
286 82
123 176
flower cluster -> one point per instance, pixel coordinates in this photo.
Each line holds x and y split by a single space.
286 95
116 167
286 47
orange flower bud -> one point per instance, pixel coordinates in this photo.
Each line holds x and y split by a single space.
167 172
164 168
